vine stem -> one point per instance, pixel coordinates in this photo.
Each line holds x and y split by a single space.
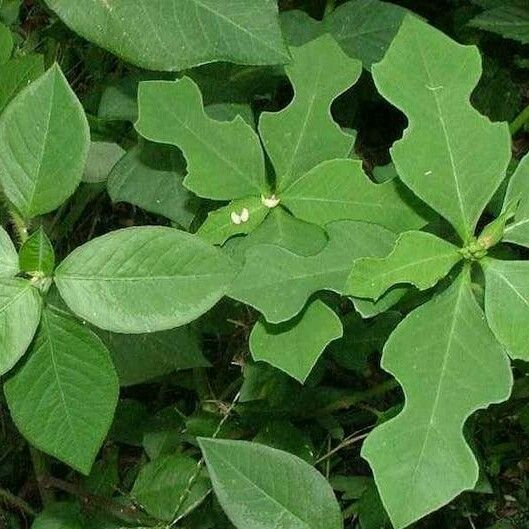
17 502
519 121
200 465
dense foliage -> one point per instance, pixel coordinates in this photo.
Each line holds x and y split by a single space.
264 266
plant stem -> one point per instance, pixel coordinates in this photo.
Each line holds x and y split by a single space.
17 502
20 226
329 7
41 472
520 121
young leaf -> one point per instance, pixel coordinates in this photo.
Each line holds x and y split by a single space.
20 306
507 304
451 156
37 254
295 346
241 216
150 176
419 258
365 28
225 159
278 283
8 256
518 230
449 365
178 34
143 279
163 482
304 134
245 480
339 189
44 141
508 21
64 395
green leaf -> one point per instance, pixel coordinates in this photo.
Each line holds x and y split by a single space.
245 480
150 176
17 74
365 28
225 159
44 141
37 254
508 21
178 34
8 256
278 283
295 346
143 279
449 365
339 189
419 258
241 216
162 483
20 307
63 397
6 44
518 230
451 156
299 27
304 134
102 157
140 358
507 304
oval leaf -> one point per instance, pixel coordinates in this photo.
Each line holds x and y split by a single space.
8 255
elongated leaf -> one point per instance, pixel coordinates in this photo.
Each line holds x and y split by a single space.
20 307
239 217
177 34
162 483
518 230
6 44
244 477
451 156
225 159
8 256
17 74
143 279
37 254
44 141
278 283
449 365
365 28
507 304
295 346
63 397
508 21
339 189
150 176
419 258
304 134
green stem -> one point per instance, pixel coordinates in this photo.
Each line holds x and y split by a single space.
520 121
17 502
329 7
20 226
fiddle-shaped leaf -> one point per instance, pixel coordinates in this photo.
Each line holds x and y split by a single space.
419 258
278 283
339 189
143 279
304 134
44 142
450 156
225 159
295 346
450 365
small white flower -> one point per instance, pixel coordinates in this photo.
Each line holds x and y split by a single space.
245 215
270 202
235 218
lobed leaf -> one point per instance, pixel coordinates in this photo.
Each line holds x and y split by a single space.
452 157
419 258
225 159
296 345
63 397
143 279
449 365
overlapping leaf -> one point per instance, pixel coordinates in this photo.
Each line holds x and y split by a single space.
143 279
450 156
518 190
509 21
177 34
8 256
449 365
